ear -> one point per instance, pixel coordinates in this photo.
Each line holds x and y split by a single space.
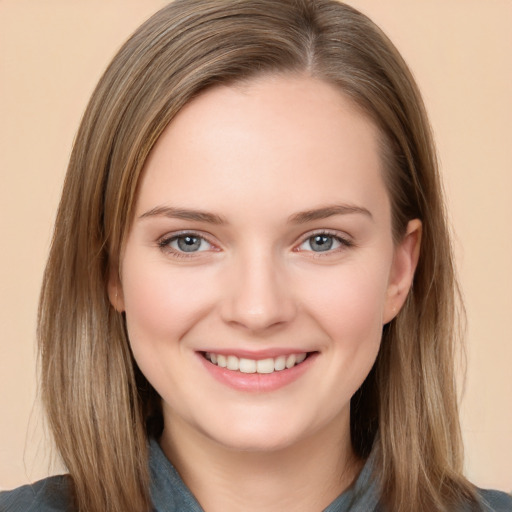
115 290
404 264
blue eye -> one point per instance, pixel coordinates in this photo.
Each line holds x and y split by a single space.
320 243
185 243
323 242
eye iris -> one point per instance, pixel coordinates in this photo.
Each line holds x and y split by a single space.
189 243
321 243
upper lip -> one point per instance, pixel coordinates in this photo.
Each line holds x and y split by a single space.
256 354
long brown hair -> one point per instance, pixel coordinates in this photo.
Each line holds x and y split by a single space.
100 407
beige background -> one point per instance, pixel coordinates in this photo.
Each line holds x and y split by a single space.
51 55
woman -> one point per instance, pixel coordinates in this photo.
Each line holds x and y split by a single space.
250 283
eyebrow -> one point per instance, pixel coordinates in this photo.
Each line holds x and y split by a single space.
328 211
183 213
296 218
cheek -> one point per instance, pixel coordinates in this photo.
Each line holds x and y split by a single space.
347 305
348 299
161 303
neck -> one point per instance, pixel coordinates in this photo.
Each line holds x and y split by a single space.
305 476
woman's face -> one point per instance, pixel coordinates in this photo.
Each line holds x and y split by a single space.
262 242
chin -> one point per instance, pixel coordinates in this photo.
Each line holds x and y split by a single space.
260 435
256 442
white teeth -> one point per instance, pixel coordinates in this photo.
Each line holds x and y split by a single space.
299 358
290 361
245 365
265 365
280 363
233 363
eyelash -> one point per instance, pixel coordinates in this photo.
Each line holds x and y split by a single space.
164 243
345 243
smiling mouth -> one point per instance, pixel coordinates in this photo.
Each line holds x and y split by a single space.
263 366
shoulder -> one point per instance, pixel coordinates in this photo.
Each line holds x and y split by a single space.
52 494
495 501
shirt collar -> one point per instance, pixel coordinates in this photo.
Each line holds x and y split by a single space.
170 494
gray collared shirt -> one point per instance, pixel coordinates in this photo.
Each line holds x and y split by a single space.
170 494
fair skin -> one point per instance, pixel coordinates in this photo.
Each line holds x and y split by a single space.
262 235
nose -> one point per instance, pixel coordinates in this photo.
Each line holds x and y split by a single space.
258 295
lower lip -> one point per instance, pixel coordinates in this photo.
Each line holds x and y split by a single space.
258 382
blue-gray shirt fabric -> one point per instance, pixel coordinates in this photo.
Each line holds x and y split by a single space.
170 494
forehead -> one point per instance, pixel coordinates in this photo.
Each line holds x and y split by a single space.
285 140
